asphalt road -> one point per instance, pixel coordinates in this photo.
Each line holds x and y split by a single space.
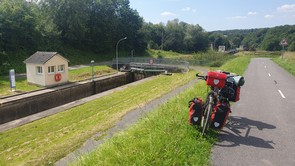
261 129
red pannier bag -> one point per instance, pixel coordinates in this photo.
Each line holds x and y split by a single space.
220 115
195 111
216 79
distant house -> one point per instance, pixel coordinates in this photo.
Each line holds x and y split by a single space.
221 48
47 69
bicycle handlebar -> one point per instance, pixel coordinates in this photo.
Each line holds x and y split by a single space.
201 77
225 72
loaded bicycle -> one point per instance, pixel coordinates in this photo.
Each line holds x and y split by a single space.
213 113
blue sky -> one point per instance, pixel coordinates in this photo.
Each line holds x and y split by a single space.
219 14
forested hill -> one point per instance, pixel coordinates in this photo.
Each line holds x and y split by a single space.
75 28
262 39
85 30
82 24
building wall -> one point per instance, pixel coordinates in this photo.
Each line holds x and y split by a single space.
50 77
33 77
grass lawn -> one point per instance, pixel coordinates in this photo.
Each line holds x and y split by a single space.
164 132
287 62
74 76
210 58
259 53
47 140
86 72
163 137
21 86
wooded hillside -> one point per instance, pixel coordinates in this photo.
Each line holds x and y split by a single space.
262 39
82 30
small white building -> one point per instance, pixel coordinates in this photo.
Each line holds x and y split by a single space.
221 48
47 69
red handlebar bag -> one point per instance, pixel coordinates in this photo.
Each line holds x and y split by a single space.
216 79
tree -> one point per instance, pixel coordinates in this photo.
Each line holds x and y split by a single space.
17 25
174 35
129 25
195 38
291 46
153 34
102 25
95 25
70 18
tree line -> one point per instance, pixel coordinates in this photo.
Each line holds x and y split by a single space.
97 25
82 24
176 36
90 24
268 39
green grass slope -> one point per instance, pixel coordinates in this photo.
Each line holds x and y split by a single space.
163 137
47 140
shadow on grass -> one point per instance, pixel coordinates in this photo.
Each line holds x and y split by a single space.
237 132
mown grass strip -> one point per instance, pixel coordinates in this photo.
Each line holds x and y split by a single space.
47 140
86 72
163 137
74 75
237 65
287 62
21 86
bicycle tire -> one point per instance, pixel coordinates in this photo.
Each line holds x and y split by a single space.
205 123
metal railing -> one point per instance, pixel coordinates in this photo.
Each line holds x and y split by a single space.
154 61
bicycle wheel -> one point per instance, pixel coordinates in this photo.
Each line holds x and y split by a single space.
205 123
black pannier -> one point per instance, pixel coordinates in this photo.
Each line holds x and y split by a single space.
232 88
219 115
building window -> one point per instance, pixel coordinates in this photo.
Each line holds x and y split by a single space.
61 68
39 70
51 69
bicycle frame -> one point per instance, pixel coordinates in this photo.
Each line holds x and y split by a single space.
212 99
205 122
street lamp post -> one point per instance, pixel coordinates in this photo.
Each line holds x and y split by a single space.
117 61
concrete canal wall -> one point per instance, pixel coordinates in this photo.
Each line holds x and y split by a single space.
19 106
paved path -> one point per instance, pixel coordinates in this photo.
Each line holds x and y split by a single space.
262 126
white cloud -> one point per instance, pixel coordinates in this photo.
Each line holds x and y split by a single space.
168 14
252 13
268 16
286 8
186 9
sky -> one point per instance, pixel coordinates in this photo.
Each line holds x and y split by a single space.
214 15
